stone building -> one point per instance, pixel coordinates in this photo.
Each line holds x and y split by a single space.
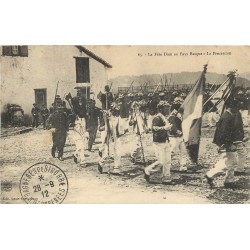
30 74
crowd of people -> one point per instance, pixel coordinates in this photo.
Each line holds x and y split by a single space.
140 114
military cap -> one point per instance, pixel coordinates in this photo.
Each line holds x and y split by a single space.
130 95
162 94
140 94
162 104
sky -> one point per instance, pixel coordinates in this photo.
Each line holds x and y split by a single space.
138 60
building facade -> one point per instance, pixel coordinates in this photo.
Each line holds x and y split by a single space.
30 74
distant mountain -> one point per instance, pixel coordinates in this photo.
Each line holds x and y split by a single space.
177 78
246 75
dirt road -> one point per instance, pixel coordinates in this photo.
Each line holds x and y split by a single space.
87 185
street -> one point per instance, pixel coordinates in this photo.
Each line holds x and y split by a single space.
87 185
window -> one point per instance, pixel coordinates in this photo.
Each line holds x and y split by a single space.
16 50
82 70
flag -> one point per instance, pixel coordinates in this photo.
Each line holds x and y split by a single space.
224 92
191 110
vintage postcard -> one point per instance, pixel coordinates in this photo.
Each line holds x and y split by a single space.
87 124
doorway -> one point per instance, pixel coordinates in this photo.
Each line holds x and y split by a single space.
41 97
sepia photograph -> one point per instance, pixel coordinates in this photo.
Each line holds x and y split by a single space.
85 124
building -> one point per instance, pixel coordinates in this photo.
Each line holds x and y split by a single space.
30 74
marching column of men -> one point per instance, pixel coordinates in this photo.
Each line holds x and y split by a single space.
143 114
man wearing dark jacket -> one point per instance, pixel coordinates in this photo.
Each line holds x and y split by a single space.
224 138
160 128
92 123
35 115
45 115
59 123
107 98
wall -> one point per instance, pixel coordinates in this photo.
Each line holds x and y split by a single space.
43 68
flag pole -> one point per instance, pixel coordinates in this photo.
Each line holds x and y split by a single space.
211 97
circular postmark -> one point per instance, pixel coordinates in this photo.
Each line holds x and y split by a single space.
44 183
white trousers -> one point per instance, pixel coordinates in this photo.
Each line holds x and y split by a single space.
241 156
245 117
79 153
163 160
110 146
83 123
226 164
177 145
80 143
123 124
136 152
113 148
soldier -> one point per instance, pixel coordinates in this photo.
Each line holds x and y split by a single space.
173 96
79 104
224 138
112 143
107 98
130 100
35 115
247 106
58 101
247 101
140 128
176 138
59 123
239 141
160 128
124 114
176 103
79 139
162 96
143 110
183 96
240 97
152 109
45 115
92 123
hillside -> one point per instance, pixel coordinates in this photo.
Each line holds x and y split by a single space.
177 78
246 75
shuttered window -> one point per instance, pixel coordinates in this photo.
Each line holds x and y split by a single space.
82 70
15 50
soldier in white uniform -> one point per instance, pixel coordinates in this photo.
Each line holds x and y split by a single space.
176 139
124 113
110 150
79 137
160 128
138 121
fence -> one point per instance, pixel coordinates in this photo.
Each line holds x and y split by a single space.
162 88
